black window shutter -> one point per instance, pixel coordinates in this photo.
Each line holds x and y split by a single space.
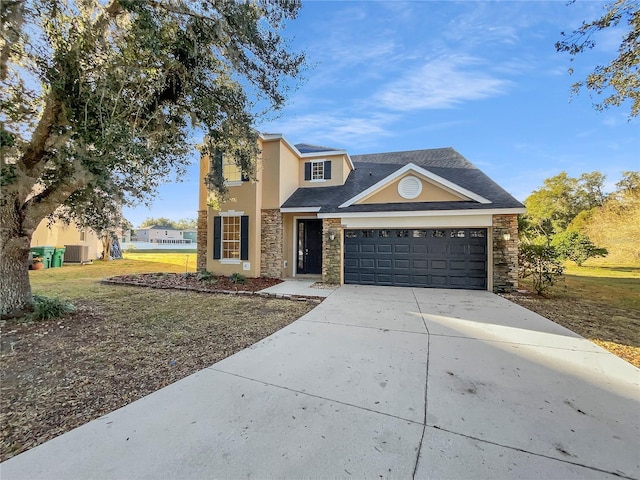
307 171
218 161
217 238
327 170
244 237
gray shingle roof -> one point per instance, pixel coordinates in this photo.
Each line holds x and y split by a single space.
371 168
308 148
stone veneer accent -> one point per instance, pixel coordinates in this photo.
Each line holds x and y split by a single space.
332 251
271 244
505 253
201 238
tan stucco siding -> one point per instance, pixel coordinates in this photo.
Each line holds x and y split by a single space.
203 193
243 200
288 174
60 234
431 192
269 174
339 171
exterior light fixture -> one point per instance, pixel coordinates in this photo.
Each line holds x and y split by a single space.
506 236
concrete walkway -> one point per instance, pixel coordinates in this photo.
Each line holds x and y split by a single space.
301 287
377 382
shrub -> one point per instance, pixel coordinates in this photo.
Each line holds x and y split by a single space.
45 308
238 278
542 263
577 247
206 277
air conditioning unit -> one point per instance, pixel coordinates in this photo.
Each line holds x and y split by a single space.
76 254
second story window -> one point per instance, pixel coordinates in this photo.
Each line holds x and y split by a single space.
317 170
230 171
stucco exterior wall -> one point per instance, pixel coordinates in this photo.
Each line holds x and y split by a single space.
339 171
429 193
505 253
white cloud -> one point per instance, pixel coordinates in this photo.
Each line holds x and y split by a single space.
441 83
334 129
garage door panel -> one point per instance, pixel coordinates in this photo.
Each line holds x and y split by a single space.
384 248
367 263
402 263
401 249
445 258
419 249
438 264
384 263
419 263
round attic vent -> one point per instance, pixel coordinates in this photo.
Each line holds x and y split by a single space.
409 187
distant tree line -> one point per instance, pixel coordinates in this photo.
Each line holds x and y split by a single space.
182 224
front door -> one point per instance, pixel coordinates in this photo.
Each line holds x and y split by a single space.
309 246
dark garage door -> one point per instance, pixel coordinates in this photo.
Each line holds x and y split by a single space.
444 258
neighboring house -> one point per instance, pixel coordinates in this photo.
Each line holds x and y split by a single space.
156 234
60 234
425 218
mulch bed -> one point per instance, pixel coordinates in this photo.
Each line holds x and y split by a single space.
190 281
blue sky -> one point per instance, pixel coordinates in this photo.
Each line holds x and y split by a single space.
482 77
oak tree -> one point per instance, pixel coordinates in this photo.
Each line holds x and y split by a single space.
99 101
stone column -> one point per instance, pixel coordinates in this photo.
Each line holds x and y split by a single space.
271 244
332 250
201 238
505 253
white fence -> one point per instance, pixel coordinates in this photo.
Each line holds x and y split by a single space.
157 246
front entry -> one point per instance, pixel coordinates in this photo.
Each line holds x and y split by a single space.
309 247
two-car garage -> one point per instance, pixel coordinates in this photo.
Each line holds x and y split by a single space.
429 257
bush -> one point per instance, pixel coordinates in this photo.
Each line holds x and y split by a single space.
577 247
45 308
542 263
206 277
238 278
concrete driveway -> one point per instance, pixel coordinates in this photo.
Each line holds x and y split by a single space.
377 382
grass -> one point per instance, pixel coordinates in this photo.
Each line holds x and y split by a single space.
617 285
77 281
600 301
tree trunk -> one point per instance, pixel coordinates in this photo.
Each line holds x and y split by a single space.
106 248
15 289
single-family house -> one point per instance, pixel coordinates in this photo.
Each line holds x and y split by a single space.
160 234
422 218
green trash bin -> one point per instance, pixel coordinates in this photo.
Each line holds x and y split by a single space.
45 253
58 257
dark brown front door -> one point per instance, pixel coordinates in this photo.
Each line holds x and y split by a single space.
309 246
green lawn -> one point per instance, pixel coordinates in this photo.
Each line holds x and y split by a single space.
77 281
615 284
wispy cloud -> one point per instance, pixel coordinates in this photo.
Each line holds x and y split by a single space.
441 83
335 129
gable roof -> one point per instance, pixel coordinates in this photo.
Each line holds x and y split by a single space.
372 169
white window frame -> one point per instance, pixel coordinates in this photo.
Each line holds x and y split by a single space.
231 162
223 259
313 165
